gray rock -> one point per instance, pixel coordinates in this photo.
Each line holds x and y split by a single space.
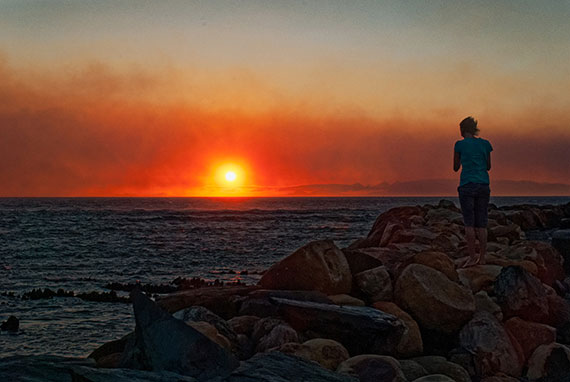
280 367
521 294
360 329
62 369
199 313
440 365
44 368
490 345
434 378
12 324
164 343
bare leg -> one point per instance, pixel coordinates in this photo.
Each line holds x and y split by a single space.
482 236
470 238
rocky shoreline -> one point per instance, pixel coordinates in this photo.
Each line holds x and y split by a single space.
393 306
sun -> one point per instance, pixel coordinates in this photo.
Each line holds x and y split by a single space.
231 176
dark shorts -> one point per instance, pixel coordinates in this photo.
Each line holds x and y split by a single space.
474 199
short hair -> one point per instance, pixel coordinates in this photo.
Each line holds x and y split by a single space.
469 125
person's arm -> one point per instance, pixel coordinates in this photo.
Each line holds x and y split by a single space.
488 161
457 161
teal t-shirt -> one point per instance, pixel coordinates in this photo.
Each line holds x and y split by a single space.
474 152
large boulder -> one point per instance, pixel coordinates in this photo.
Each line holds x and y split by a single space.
530 335
326 352
375 283
280 367
521 294
549 363
433 299
372 368
359 260
162 342
217 299
359 329
491 347
319 265
258 302
411 343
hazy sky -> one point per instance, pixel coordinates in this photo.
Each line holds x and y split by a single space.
156 97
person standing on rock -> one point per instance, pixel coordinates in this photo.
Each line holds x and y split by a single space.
474 156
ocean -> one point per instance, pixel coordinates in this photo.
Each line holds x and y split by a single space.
81 244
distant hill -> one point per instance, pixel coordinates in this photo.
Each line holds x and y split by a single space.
426 187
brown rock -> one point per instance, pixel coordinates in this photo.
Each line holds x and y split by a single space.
319 265
549 262
491 346
389 231
412 235
512 232
398 215
328 353
529 266
375 283
345 299
444 215
217 299
411 343
558 311
479 277
530 335
243 324
360 260
433 300
549 362
372 368
439 261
